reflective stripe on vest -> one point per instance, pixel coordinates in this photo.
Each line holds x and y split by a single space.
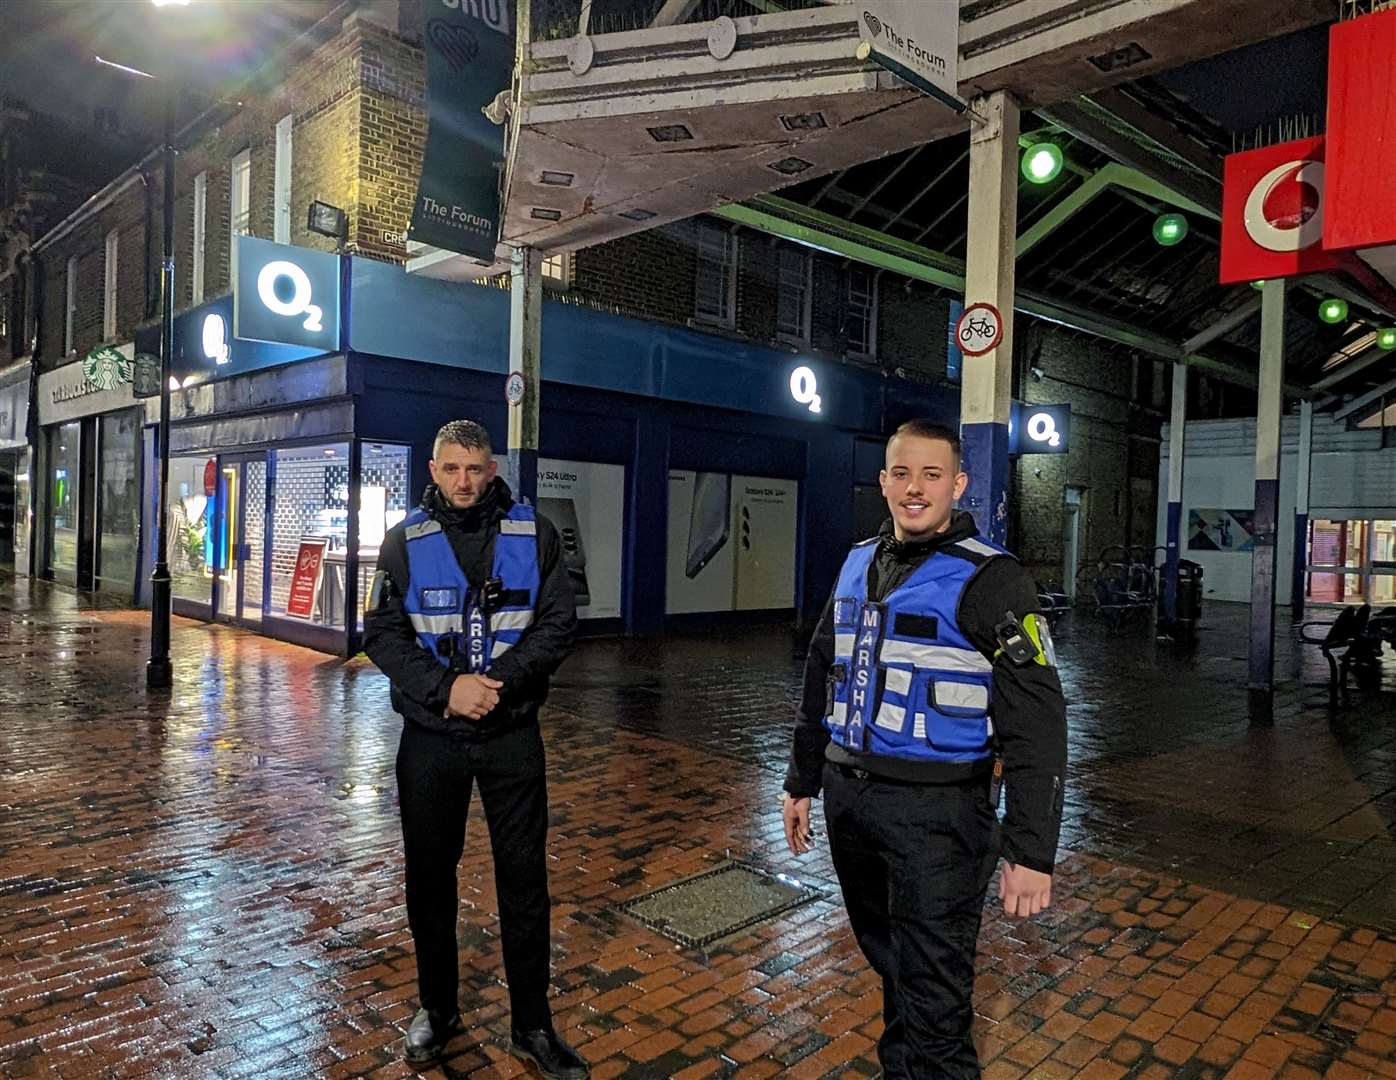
443 608
906 681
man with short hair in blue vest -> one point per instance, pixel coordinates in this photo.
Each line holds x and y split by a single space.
930 681
470 613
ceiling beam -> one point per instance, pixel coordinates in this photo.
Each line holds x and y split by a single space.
1223 326
674 12
1093 133
1360 403
1359 363
1126 109
799 224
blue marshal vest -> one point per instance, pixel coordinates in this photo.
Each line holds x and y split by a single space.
447 613
906 682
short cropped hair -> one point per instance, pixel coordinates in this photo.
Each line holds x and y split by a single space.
929 429
466 433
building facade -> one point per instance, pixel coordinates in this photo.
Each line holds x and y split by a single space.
340 119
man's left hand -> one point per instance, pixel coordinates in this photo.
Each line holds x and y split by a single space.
1024 891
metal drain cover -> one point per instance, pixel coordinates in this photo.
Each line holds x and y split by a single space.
719 902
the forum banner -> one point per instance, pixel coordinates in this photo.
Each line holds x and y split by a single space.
470 59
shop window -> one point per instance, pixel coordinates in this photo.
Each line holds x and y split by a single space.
190 510
310 527
793 295
732 542
715 287
385 495
63 472
118 501
859 329
22 514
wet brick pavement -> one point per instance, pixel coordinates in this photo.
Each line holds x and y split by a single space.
210 885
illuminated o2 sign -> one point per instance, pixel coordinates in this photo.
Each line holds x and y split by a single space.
215 338
285 295
804 388
1042 428
1039 429
301 295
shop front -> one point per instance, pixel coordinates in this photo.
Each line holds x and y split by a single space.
89 475
690 477
15 513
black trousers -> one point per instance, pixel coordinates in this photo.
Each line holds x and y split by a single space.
435 775
914 863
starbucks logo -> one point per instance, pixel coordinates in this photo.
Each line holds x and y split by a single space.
106 368
874 23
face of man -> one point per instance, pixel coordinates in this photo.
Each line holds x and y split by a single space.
921 482
462 474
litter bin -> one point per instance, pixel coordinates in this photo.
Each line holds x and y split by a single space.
1189 600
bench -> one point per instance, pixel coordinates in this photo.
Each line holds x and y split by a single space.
1346 641
1117 593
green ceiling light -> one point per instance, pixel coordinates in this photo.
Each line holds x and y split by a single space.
1258 284
1333 310
1042 162
1170 228
1386 339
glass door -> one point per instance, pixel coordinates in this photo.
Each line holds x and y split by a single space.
239 539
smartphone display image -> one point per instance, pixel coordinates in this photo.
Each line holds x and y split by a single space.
563 514
710 520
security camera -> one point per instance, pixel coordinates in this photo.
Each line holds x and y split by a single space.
1037 374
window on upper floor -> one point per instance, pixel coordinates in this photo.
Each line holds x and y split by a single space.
282 225
239 201
70 307
109 288
715 287
794 274
557 270
860 312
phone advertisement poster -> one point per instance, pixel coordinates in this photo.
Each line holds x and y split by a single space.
731 542
586 502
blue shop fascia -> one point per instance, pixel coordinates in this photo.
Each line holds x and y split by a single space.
693 477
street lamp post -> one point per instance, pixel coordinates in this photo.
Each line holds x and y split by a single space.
159 675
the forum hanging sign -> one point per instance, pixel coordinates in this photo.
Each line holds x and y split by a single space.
918 40
470 59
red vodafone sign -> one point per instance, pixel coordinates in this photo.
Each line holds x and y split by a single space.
1272 213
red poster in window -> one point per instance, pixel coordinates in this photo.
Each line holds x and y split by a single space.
306 578
210 477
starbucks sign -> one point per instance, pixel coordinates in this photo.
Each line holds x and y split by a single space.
107 368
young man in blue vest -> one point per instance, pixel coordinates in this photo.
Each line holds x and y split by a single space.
470 613
930 680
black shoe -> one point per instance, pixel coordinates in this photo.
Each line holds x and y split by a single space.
554 1058
427 1037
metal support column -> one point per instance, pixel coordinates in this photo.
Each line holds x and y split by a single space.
525 349
1301 510
991 245
1270 400
1173 540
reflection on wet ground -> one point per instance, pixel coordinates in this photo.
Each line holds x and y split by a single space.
210 884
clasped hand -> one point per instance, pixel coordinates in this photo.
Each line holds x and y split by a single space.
473 696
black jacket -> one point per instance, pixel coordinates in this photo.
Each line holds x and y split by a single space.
420 684
1029 712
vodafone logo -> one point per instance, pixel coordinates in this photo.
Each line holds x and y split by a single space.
1284 210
